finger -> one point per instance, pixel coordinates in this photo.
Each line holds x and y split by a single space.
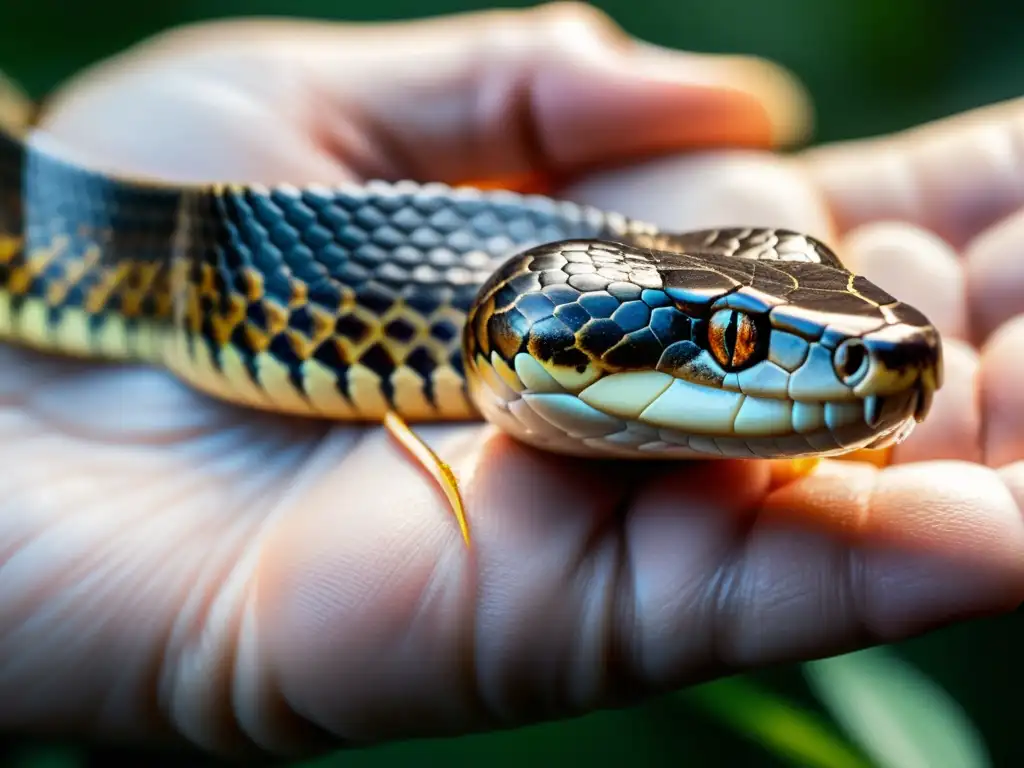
995 276
1002 394
914 265
556 89
955 177
709 189
537 92
909 548
373 621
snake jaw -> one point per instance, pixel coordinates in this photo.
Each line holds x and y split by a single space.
650 414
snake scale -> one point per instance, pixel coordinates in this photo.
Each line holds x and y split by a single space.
572 329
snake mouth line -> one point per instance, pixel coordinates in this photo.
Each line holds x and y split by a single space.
753 418
563 422
663 401
645 413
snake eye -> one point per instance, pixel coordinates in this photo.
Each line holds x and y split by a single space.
851 361
732 338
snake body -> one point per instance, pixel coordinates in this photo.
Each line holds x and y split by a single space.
573 329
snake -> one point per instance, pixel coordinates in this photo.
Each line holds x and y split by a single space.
572 329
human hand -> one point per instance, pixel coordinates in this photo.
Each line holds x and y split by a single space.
178 567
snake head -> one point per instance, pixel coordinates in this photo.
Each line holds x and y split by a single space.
688 346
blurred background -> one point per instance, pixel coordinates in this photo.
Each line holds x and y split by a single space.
872 66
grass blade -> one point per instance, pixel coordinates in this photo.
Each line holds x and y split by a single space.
900 717
798 736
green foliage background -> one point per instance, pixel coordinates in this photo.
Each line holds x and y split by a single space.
872 66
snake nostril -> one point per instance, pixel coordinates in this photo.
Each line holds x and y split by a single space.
851 361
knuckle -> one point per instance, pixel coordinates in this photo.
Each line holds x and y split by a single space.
578 16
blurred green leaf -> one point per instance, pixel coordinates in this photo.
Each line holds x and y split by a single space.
795 734
56 756
898 716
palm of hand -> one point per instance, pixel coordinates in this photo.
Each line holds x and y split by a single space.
239 561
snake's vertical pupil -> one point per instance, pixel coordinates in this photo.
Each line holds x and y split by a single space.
732 338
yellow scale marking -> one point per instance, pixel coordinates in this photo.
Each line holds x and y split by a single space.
322 391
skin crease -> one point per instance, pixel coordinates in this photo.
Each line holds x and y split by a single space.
172 568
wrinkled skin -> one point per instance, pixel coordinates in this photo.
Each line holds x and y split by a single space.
176 568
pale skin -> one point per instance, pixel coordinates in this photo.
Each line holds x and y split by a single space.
175 568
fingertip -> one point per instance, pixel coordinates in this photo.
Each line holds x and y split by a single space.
958 509
955 510
851 553
644 101
948 545
778 91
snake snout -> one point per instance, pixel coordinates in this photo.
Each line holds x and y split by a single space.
899 362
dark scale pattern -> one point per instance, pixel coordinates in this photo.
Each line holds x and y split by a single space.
11 219
611 310
762 245
91 246
638 349
376 278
